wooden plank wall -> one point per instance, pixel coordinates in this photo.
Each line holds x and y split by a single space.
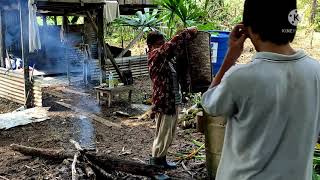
138 64
12 86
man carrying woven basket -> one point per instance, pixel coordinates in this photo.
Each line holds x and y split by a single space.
166 94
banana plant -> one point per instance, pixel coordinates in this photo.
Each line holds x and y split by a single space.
149 20
141 21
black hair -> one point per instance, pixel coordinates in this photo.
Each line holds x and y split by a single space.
154 37
270 19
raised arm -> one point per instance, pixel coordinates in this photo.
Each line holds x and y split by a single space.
170 48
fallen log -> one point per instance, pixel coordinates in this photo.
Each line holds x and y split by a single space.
100 171
105 162
131 167
59 154
90 173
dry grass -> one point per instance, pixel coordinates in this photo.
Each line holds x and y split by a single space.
302 41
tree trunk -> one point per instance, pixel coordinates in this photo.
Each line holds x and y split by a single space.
200 60
313 11
221 3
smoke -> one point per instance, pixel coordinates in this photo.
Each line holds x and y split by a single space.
11 26
57 55
85 133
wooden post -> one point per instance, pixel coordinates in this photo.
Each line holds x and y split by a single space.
87 61
44 19
65 36
313 11
101 65
104 46
100 34
55 20
2 62
24 32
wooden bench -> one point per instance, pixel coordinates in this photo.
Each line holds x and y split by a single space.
110 92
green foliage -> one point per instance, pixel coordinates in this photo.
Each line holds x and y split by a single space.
119 35
315 176
207 26
146 21
317 20
190 12
175 15
226 14
179 14
126 28
196 99
205 14
316 166
51 20
305 9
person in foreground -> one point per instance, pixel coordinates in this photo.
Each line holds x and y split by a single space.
166 94
272 104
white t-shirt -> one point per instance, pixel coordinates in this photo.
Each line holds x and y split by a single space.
273 109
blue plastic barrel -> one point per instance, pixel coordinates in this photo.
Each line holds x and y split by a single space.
219 47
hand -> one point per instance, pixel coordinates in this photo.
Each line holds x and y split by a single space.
236 40
193 29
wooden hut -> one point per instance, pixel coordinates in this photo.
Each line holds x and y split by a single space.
61 43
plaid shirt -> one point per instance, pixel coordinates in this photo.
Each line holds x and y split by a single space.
159 60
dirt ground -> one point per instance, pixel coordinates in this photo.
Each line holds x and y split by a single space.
132 141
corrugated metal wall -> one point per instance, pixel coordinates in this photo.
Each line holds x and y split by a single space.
37 94
12 83
138 66
12 86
